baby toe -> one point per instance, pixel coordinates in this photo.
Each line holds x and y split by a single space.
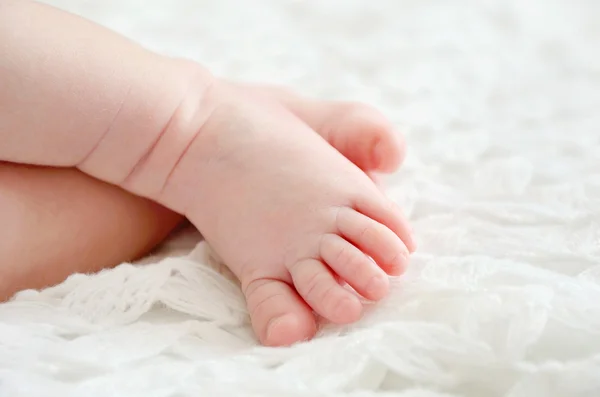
374 239
352 265
319 288
383 210
279 316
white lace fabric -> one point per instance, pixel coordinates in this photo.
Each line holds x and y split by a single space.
500 103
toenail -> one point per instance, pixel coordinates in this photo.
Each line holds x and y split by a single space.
378 153
274 323
412 241
398 258
404 258
375 285
405 254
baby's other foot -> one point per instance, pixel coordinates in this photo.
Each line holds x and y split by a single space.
359 132
286 212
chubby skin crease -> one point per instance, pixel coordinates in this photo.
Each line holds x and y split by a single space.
295 216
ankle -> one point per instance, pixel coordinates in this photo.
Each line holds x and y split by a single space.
154 128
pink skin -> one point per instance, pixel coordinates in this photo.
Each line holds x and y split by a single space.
288 213
127 227
357 131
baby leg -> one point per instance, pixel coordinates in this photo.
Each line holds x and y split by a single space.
56 222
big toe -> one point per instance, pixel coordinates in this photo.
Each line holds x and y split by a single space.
279 316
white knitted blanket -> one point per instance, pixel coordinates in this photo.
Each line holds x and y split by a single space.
500 101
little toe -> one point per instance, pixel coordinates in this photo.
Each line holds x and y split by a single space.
320 289
352 265
374 239
361 133
279 316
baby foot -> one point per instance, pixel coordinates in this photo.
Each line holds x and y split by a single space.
362 134
288 213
